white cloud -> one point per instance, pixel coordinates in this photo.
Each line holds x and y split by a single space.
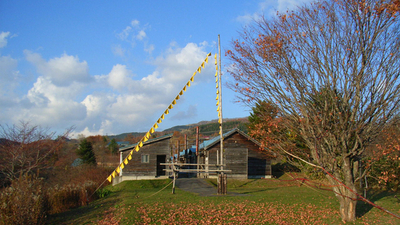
8 68
119 78
248 18
149 48
141 35
44 86
10 78
284 5
269 8
135 103
52 105
118 51
3 38
133 33
135 23
64 94
180 63
49 104
97 104
105 126
125 33
190 113
51 100
62 71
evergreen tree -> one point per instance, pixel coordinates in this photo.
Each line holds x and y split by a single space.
113 146
85 152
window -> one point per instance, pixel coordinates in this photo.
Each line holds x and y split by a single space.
145 158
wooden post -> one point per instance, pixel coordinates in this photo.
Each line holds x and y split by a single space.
222 184
185 144
120 162
220 108
221 176
219 187
225 183
197 150
177 151
174 181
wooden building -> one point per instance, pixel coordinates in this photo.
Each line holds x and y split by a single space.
241 155
145 163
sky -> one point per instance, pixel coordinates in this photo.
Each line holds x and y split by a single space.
111 67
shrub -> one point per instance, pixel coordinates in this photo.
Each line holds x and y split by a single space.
101 193
24 202
69 196
74 187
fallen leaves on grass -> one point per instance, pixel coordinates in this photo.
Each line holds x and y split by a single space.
247 212
111 217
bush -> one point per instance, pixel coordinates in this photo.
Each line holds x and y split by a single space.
74 187
27 200
70 196
24 202
384 174
101 193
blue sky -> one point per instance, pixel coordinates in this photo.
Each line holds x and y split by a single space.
110 67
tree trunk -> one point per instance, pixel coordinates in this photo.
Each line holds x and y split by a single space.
348 207
347 200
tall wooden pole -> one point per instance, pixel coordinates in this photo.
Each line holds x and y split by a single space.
174 181
221 176
197 151
185 144
220 108
177 151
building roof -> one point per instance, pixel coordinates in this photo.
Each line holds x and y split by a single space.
130 147
210 143
187 151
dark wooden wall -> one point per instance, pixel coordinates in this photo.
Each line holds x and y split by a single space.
243 157
137 168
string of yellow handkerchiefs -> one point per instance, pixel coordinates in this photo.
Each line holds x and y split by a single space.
218 98
146 137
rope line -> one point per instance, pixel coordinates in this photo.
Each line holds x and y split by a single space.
361 197
310 186
354 192
96 190
147 136
159 190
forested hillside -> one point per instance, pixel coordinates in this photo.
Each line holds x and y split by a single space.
206 128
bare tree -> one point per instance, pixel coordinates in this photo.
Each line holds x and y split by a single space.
25 149
332 69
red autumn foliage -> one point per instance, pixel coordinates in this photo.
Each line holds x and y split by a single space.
322 65
384 159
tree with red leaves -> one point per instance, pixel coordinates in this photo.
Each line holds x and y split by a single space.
25 149
332 69
383 160
266 125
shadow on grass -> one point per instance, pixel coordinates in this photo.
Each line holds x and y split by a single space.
212 182
363 207
84 214
249 182
256 191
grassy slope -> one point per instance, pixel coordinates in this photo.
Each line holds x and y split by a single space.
266 202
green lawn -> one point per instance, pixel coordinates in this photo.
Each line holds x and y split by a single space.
269 201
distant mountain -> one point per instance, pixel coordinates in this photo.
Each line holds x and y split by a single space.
123 135
209 127
4 141
206 128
